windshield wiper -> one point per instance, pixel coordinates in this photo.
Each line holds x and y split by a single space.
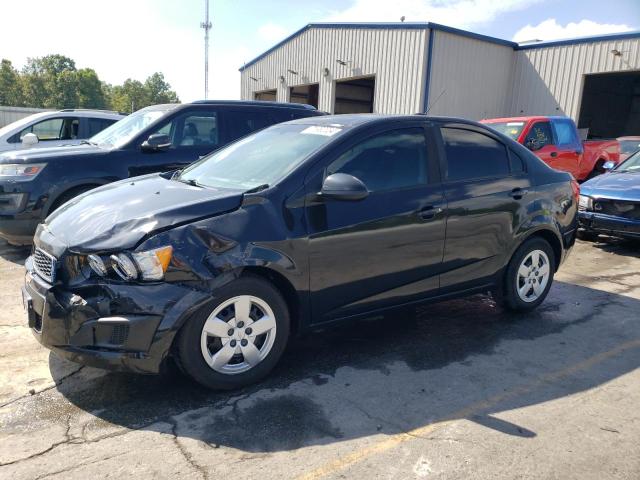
87 142
257 189
188 181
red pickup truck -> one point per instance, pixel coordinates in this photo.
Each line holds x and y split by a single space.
556 141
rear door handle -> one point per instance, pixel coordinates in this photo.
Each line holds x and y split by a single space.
518 193
430 211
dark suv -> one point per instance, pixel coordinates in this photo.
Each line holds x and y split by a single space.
295 227
159 138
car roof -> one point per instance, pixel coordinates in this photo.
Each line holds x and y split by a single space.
357 119
254 103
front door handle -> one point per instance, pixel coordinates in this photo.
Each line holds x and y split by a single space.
554 154
518 193
430 211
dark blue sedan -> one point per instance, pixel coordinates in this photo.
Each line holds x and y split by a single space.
610 203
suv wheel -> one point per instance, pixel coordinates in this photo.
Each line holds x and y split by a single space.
529 275
240 339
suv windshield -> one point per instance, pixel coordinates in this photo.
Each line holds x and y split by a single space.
124 130
631 164
261 159
510 129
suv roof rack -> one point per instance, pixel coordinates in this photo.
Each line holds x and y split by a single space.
89 110
301 106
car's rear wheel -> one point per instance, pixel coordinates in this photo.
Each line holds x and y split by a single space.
238 340
529 275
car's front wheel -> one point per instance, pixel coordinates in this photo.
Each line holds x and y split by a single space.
529 275
240 339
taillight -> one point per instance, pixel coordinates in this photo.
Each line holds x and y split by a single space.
575 186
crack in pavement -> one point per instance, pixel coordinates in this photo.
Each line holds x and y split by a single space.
184 452
56 384
75 467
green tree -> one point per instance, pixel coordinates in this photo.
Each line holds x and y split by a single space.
129 97
90 90
159 90
10 85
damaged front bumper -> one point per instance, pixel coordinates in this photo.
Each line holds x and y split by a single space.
112 326
609 224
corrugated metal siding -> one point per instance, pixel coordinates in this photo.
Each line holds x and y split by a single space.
11 114
396 57
549 81
472 78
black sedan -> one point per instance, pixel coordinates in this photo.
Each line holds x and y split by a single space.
610 203
296 227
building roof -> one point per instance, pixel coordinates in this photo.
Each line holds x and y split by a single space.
443 28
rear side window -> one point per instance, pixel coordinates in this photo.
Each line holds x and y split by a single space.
96 125
473 155
391 160
241 123
539 135
516 161
565 132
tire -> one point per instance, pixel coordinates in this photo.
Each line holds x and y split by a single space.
218 357
65 197
515 282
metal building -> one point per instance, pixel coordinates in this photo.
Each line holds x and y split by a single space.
415 67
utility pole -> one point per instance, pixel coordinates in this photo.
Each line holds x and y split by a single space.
207 26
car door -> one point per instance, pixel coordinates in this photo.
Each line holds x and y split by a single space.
486 188
569 147
193 133
387 248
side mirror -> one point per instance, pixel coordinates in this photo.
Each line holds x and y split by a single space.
156 142
29 140
532 145
608 166
341 186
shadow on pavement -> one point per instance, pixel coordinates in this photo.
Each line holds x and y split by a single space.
12 253
458 359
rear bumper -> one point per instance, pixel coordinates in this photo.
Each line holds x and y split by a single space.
115 327
609 224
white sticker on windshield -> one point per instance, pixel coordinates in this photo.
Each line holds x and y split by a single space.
515 124
318 130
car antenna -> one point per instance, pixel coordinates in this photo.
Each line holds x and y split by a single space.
435 101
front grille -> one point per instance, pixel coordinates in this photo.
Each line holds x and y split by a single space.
618 208
45 265
119 334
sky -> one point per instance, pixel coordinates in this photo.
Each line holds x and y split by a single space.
123 39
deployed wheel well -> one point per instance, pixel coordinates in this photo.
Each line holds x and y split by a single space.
284 286
553 240
70 193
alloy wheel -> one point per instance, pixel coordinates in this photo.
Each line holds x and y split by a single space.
532 276
238 334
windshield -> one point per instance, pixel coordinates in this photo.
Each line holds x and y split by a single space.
510 129
629 146
631 164
124 130
261 159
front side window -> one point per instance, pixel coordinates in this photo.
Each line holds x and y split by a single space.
565 132
122 132
391 160
193 129
52 129
539 136
473 155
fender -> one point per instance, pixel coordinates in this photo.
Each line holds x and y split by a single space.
59 190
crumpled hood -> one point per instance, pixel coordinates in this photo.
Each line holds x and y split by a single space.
44 155
117 216
615 185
